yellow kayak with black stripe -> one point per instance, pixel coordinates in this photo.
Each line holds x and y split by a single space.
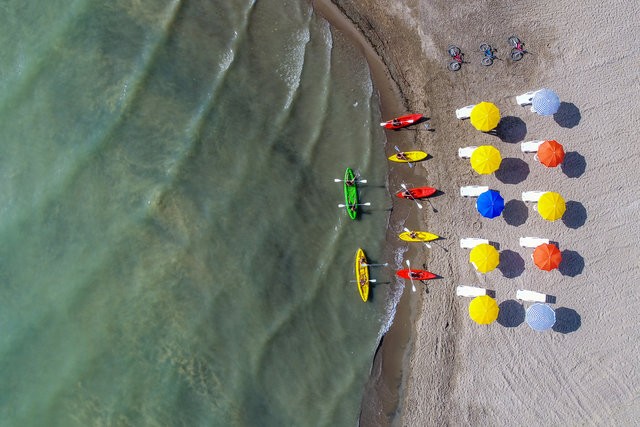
408 156
418 236
362 274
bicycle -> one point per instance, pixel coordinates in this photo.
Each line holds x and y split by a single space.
517 51
488 54
456 54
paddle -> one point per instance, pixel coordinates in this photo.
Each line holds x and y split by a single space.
363 181
413 287
369 281
376 265
398 150
425 243
358 204
411 195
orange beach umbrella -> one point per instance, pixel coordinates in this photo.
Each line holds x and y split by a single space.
551 153
547 256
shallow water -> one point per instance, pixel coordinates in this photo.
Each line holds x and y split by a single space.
173 253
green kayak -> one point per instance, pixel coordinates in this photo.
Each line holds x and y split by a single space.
350 193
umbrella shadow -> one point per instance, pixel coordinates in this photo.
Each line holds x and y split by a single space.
574 164
575 216
515 212
572 263
511 264
510 129
568 115
511 313
512 171
567 320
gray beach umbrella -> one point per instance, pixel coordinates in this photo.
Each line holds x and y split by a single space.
540 317
545 102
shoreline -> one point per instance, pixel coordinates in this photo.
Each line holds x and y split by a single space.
383 392
445 355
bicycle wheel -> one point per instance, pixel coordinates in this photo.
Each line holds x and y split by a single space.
453 50
516 55
513 41
484 47
454 65
486 61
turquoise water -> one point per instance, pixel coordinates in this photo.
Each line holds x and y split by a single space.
172 250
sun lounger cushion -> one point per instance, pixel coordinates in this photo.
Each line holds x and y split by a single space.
466 152
532 242
530 296
470 242
473 190
470 291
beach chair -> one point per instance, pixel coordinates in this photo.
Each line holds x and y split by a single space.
473 190
470 242
532 242
470 291
464 112
531 296
530 146
526 98
466 152
532 196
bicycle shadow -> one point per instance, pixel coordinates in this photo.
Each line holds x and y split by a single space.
510 129
568 115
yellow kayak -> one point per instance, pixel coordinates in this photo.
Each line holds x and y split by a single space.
362 274
411 156
420 236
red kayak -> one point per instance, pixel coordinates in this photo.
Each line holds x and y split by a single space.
415 274
416 193
402 121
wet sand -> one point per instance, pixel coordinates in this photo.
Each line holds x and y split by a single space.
440 367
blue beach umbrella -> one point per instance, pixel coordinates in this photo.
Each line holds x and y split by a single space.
490 204
545 102
540 317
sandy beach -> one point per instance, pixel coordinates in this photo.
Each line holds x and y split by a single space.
436 366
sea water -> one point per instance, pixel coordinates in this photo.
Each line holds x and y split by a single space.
172 250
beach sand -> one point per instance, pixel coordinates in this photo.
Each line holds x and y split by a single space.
436 366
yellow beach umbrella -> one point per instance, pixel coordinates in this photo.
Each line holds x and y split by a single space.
551 206
484 257
485 116
485 159
483 310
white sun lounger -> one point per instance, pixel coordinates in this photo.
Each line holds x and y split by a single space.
470 291
532 196
473 190
471 242
530 146
466 152
532 242
526 98
464 112
530 296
